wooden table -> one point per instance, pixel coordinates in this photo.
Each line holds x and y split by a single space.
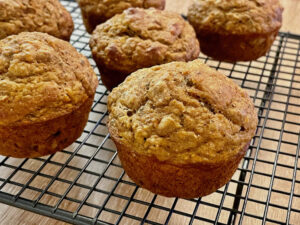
10 215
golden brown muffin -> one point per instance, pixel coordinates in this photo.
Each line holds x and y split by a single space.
236 30
47 16
46 91
140 38
181 128
95 12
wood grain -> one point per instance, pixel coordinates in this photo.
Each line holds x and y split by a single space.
10 215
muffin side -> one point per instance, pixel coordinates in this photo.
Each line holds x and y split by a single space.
173 180
232 48
238 30
47 16
140 38
44 138
47 89
95 12
176 121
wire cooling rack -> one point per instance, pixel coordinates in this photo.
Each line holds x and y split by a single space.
85 183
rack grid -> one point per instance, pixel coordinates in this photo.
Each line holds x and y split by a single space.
85 183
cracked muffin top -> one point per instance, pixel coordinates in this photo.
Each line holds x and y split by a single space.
182 113
98 11
47 16
236 16
140 38
41 78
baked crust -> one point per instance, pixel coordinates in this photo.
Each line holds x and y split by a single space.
237 30
47 16
47 89
95 12
140 38
181 129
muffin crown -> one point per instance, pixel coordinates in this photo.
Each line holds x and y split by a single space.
109 8
140 38
41 78
47 16
236 16
182 113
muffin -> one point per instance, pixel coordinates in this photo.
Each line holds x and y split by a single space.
47 16
181 128
237 30
46 92
95 12
140 38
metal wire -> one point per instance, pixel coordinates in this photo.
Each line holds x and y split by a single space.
85 183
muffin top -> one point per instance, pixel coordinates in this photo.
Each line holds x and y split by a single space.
47 16
41 78
236 16
182 113
109 8
140 38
